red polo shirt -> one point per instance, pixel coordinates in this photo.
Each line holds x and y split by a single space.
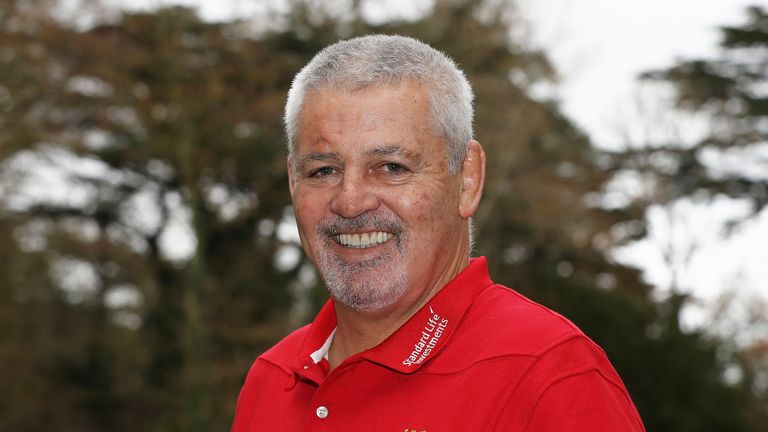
477 357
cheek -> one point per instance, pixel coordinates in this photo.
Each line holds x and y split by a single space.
413 208
308 208
424 209
308 211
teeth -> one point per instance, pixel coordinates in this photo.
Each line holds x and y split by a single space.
364 240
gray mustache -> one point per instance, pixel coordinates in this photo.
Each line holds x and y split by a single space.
365 222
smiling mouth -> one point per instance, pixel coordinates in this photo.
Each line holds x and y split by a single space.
363 240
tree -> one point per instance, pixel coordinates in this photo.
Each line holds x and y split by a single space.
727 163
729 91
177 120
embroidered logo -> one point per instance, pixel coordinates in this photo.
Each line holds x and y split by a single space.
430 335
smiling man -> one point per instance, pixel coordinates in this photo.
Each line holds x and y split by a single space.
384 175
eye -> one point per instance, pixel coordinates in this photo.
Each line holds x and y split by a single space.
394 168
322 172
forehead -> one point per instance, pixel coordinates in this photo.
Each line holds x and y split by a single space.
388 114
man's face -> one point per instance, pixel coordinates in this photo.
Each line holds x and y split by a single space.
377 209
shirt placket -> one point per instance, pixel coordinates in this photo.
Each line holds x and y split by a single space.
325 409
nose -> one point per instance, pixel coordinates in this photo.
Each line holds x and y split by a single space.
355 195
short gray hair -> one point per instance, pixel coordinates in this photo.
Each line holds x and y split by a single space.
381 60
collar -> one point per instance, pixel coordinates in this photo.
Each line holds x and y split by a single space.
416 342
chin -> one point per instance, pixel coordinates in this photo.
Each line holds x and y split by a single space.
369 295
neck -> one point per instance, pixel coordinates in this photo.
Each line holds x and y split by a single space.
357 331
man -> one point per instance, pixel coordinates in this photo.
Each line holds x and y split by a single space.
384 177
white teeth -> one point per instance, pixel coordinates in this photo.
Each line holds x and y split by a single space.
364 240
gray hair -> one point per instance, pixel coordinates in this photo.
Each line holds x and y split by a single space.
365 61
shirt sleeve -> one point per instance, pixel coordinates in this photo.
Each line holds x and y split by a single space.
571 386
245 400
584 401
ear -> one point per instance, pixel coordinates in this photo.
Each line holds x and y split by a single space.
472 179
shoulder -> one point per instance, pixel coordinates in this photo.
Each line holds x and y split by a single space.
549 363
283 353
507 328
503 322
557 350
267 373
274 365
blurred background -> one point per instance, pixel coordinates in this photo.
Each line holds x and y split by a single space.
148 251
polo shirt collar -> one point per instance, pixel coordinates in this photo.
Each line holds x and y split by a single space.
418 340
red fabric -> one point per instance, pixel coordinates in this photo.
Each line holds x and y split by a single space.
477 357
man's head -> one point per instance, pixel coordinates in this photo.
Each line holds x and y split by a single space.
381 60
384 173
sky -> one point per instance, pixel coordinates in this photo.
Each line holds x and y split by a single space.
599 47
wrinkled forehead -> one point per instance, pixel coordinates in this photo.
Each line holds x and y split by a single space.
405 102
376 117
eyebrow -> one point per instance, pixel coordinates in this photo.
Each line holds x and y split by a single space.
395 149
387 150
316 157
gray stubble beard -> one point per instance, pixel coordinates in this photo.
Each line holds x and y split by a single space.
368 285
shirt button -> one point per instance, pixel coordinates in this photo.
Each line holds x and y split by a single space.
322 412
